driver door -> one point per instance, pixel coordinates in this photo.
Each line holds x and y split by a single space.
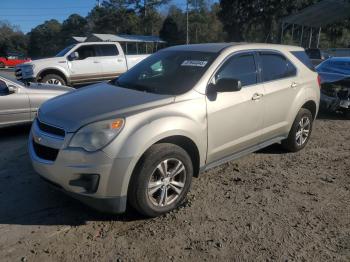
14 106
87 66
235 118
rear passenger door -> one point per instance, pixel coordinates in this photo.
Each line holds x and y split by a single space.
112 60
235 119
281 86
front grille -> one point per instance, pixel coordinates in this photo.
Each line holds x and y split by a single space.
51 129
44 152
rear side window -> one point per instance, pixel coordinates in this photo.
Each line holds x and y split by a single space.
302 57
240 67
107 50
276 66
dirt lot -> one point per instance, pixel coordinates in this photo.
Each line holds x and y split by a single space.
266 206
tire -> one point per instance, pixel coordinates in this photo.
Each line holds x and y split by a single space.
294 143
2 65
147 177
53 79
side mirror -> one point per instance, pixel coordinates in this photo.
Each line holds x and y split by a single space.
73 56
12 89
227 85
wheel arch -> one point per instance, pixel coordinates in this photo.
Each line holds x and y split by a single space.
311 106
55 71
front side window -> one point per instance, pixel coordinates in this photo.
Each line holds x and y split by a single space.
86 51
167 72
276 66
239 67
107 50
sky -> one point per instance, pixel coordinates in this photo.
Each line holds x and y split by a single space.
29 13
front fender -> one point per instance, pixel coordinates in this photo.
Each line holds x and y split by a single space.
145 129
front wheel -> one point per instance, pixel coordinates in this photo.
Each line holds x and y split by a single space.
300 132
53 79
2 65
161 181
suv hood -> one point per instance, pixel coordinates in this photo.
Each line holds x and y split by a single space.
43 60
97 102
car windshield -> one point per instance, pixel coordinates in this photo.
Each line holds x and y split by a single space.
65 51
167 72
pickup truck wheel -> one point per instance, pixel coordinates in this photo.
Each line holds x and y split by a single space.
300 132
161 181
2 65
53 80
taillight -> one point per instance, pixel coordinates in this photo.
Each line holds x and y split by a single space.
319 81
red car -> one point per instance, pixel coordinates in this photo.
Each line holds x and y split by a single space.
12 60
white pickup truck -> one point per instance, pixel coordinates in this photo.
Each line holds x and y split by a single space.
78 64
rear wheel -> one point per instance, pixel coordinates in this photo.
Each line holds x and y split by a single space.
53 79
300 132
161 181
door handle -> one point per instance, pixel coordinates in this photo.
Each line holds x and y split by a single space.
293 85
96 62
257 96
120 60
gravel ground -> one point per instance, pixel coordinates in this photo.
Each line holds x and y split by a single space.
270 205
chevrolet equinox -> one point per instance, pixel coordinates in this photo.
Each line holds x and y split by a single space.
139 139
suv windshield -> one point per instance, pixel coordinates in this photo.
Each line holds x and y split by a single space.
167 72
64 51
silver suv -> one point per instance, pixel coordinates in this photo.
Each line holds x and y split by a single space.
140 139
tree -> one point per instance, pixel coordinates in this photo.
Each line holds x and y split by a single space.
113 19
44 39
12 39
74 25
170 32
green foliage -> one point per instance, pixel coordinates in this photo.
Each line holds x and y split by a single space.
44 40
11 39
228 20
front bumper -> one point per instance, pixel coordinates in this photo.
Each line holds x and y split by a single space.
70 165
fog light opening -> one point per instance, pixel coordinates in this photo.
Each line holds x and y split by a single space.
87 181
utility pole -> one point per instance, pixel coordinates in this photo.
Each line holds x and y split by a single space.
98 3
187 37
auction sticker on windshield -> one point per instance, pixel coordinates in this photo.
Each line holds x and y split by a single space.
198 63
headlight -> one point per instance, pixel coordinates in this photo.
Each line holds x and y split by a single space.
97 135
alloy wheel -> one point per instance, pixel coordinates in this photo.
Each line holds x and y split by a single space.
303 131
166 182
54 81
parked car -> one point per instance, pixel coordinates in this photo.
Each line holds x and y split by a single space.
12 60
141 137
78 64
335 79
19 103
316 55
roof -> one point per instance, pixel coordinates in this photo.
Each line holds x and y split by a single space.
320 14
79 39
218 47
123 38
210 47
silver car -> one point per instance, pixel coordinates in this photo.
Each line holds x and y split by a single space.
141 138
19 103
